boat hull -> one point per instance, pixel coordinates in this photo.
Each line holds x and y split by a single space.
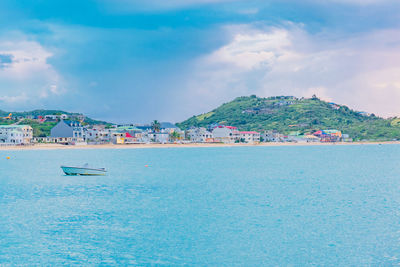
83 171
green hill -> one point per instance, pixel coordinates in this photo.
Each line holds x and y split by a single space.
288 114
37 112
41 129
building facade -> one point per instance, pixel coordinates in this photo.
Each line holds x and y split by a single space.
16 134
68 131
249 136
199 135
225 134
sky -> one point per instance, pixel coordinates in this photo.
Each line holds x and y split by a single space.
133 61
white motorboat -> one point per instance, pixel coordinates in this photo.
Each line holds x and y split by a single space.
85 170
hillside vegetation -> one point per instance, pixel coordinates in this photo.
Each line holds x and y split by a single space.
288 114
41 129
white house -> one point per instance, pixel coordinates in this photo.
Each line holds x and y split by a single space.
249 136
199 135
225 134
16 134
98 134
272 136
158 137
52 117
64 116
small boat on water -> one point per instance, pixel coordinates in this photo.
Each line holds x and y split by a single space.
85 170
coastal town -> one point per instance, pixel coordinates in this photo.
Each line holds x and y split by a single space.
72 130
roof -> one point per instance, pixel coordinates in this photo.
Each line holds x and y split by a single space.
70 123
127 128
229 127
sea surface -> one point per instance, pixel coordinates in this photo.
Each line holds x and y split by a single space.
228 206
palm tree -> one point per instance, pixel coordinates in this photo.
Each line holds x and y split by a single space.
156 126
175 136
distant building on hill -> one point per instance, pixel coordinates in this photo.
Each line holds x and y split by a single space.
64 116
363 113
52 117
334 105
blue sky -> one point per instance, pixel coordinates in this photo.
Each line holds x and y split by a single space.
135 61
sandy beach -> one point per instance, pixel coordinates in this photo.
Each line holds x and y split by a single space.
205 145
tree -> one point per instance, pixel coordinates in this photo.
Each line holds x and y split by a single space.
175 136
156 126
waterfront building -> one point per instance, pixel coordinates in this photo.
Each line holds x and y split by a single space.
98 134
225 134
272 136
68 131
124 138
158 137
16 134
199 135
311 138
249 136
126 134
329 135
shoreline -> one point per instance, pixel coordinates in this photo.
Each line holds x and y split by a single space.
194 145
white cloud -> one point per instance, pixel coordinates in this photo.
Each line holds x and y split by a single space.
14 99
252 51
361 71
27 75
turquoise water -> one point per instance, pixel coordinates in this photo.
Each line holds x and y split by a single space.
238 206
